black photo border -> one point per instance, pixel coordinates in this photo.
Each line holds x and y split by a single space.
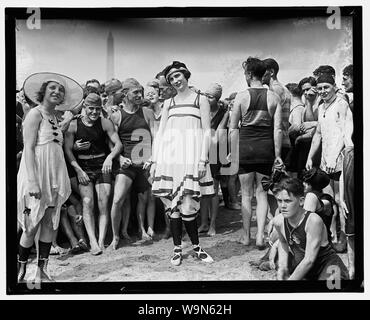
154 287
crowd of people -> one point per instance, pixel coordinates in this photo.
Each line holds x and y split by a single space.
91 157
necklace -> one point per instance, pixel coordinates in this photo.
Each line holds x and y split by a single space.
86 123
327 107
291 240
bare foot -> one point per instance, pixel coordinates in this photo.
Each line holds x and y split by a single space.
244 240
83 245
126 237
211 232
150 232
114 244
145 236
203 228
95 251
101 245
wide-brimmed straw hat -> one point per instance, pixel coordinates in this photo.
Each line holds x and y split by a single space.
73 91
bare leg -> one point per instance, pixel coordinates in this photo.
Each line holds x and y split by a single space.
246 182
342 219
74 186
205 203
333 226
140 213
167 210
261 210
214 209
78 228
28 238
103 193
64 221
126 211
87 195
232 188
46 226
150 213
351 256
121 189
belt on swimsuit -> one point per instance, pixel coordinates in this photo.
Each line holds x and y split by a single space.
90 156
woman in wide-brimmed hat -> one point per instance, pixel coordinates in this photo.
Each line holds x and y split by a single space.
42 183
180 169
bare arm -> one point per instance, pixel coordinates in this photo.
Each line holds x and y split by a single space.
221 129
235 117
311 202
295 120
30 128
315 145
149 117
342 202
283 249
206 126
278 127
310 114
115 117
67 118
314 237
348 128
69 138
162 126
108 127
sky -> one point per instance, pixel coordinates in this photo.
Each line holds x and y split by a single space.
212 48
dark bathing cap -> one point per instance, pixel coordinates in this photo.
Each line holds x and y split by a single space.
325 78
174 67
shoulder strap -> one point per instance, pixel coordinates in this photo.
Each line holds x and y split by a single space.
296 107
172 102
101 123
196 101
40 113
306 215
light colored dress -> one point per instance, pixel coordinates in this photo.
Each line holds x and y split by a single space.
179 151
51 173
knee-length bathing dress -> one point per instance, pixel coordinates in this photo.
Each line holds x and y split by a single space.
179 152
51 174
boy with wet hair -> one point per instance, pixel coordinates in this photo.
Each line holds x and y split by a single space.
305 252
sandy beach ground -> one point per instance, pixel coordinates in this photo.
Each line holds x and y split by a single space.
150 260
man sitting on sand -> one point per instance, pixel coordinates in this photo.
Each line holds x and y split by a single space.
305 252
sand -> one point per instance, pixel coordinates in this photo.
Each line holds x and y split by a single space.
150 260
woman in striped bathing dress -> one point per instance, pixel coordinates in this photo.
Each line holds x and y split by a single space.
180 169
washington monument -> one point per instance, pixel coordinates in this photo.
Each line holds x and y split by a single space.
110 56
